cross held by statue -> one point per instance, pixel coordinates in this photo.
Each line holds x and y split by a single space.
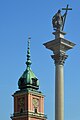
65 14
67 8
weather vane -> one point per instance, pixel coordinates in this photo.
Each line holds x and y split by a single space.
58 20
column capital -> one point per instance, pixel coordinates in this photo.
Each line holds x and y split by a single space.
59 58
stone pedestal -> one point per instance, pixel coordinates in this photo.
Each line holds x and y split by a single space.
59 46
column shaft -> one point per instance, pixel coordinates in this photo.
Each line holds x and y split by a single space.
59 92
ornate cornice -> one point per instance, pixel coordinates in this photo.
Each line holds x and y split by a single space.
29 114
59 58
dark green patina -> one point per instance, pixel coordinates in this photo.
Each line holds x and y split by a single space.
28 80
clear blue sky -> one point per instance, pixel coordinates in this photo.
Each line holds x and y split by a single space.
20 18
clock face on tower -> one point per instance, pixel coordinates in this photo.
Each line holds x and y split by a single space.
35 102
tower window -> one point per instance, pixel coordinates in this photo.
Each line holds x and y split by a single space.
34 81
35 110
21 110
22 81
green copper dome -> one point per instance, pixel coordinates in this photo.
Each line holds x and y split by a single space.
28 78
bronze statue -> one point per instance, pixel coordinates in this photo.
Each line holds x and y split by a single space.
58 20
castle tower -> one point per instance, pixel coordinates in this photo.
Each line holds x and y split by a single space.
28 101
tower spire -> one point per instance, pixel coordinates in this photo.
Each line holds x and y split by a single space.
28 62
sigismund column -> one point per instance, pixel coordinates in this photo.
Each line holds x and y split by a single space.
59 46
